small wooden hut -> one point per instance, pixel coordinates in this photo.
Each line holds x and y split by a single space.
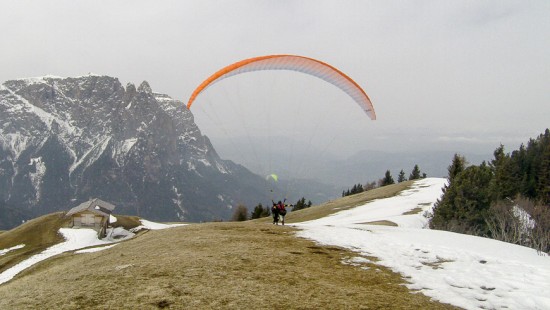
93 214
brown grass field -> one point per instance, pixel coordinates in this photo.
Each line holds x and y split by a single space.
235 265
36 234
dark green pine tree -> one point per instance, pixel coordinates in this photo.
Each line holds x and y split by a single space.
530 174
388 179
415 173
518 159
504 183
465 202
442 209
301 204
401 177
544 176
458 165
259 212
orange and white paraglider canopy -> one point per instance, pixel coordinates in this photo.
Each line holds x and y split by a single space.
302 64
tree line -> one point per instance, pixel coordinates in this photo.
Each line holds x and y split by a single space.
506 199
259 211
386 180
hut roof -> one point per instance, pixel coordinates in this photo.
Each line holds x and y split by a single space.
95 205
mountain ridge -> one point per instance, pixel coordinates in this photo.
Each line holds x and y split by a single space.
65 140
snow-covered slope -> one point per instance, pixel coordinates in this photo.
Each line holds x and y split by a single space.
466 271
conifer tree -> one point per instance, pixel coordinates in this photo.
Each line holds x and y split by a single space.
301 204
346 193
479 199
519 160
259 212
401 177
544 177
356 188
388 179
503 184
530 175
458 165
415 173
465 203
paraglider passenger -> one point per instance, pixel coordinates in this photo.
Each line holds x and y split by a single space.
282 211
275 212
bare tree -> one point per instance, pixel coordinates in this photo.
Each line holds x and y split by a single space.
240 213
540 226
521 222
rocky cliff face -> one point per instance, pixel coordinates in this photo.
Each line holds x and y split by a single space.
65 140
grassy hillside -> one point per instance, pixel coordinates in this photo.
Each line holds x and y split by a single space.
37 235
211 266
41 233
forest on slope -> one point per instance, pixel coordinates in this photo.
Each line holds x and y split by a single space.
507 198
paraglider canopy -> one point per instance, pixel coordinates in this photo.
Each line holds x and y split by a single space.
273 177
302 64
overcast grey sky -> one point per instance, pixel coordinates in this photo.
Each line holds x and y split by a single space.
461 75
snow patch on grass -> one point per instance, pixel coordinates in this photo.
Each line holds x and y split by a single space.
154 226
76 239
13 248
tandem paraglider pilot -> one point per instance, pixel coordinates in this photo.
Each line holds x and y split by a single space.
275 213
279 211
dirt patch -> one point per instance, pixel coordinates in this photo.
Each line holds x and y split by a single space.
437 263
413 211
382 223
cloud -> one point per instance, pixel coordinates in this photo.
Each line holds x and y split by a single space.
454 69
461 139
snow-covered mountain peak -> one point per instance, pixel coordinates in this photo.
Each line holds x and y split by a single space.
96 136
145 88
